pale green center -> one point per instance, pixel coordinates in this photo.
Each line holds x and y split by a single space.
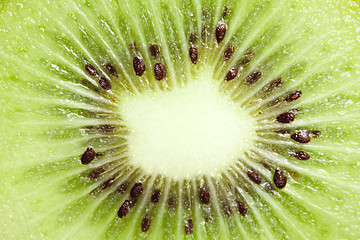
189 131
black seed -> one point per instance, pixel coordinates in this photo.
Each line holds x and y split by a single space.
275 84
189 227
229 51
301 155
154 50
139 65
293 96
227 209
124 209
231 74
204 196
172 203
242 208
145 225
220 32
301 137
106 128
104 83
160 71
123 187
96 173
286 117
193 38
193 53
253 78
88 156
108 183
136 190
280 178
315 133
254 176
155 197
111 69
91 70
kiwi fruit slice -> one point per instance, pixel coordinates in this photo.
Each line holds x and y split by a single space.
179 119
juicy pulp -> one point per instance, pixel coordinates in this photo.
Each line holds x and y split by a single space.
44 109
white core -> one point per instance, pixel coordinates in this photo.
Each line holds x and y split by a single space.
189 131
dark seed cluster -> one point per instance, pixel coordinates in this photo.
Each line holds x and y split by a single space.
103 81
133 187
139 65
135 192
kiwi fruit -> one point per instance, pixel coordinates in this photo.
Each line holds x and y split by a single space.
179 119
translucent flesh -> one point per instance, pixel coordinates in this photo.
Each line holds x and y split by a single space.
45 109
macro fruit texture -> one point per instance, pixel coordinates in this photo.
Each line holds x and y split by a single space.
179 119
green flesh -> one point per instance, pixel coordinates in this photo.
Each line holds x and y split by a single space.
48 102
